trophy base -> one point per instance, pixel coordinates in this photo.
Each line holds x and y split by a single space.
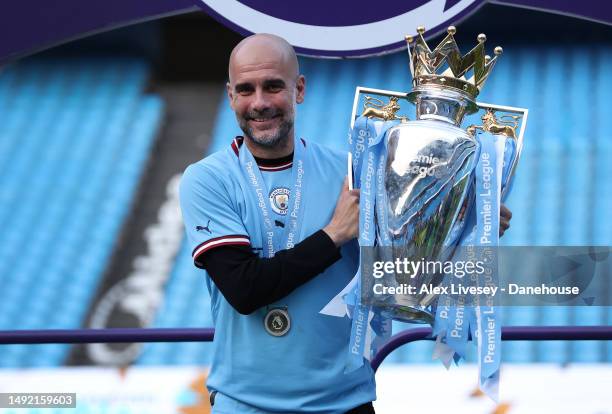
409 314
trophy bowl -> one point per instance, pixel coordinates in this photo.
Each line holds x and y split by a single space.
428 177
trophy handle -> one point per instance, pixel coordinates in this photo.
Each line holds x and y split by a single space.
349 171
376 108
495 125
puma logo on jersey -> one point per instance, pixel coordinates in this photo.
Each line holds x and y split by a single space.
207 228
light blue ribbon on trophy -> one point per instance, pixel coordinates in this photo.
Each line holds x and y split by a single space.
455 322
369 327
363 132
442 351
458 328
382 325
509 155
489 172
273 239
361 135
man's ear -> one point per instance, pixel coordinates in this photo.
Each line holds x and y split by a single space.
300 86
230 94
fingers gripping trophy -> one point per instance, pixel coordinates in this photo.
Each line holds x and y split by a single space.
429 184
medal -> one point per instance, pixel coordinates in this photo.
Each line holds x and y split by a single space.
277 321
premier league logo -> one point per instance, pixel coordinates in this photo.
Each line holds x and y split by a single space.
279 200
342 27
277 321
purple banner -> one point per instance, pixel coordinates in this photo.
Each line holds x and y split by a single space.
346 28
596 10
27 26
319 28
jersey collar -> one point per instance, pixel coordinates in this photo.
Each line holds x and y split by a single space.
266 164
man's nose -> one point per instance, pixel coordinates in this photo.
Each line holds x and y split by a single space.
260 101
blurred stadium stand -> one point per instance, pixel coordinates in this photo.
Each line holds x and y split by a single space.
75 136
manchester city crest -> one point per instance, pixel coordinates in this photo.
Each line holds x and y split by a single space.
279 200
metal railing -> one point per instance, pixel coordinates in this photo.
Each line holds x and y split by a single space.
509 333
81 336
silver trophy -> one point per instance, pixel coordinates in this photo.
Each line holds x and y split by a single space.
431 160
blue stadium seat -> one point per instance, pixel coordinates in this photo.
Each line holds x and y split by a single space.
71 122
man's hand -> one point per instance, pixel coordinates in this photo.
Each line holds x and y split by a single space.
504 219
344 224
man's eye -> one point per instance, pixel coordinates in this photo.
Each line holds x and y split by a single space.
245 92
275 88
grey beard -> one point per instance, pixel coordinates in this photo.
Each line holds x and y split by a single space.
268 141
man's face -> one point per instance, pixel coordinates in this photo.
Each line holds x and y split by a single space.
263 91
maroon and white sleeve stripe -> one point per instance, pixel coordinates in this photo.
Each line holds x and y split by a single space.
232 239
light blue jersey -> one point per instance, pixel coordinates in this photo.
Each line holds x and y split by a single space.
302 371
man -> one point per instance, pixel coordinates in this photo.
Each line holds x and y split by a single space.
265 220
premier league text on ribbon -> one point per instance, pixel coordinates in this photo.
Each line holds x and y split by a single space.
486 212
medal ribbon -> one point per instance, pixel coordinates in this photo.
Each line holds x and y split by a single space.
274 239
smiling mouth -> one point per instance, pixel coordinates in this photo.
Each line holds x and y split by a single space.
262 120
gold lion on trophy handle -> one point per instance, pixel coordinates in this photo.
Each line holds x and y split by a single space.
376 108
501 126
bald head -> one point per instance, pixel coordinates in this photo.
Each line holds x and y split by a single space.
263 49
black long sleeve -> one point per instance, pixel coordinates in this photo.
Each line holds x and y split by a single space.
249 282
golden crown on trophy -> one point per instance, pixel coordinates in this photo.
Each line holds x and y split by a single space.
445 66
